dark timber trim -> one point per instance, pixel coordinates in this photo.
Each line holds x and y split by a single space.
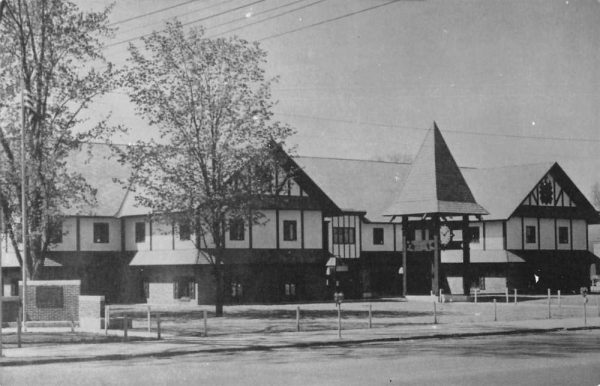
250 229
504 236
571 232
466 248
276 228
522 233
539 242
404 252
394 235
150 231
302 228
483 226
555 235
587 241
173 236
359 235
77 233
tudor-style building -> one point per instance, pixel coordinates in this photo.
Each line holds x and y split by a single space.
123 251
337 223
535 226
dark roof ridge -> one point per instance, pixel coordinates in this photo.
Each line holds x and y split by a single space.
548 163
352 159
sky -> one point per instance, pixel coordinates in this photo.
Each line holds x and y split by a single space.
507 81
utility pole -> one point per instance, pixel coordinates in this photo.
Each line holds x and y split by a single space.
24 226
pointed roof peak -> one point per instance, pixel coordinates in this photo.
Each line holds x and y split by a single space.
435 183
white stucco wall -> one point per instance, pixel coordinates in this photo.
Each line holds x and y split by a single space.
130 244
69 238
263 233
388 237
547 233
579 234
313 229
493 235
87 234
514 233
290 215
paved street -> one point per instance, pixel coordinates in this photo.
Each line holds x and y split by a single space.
545 359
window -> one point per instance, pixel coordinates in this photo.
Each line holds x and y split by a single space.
289 231
184 287
184 231
236 229
474 233
530 236
56 233
100 232
236 290
378 236
563 235
140 232
290 289
343 235
410 234
482 283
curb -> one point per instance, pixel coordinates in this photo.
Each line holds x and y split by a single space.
163 354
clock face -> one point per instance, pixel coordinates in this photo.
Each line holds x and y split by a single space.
446 235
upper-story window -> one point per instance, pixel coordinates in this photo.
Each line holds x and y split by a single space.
290 230
563 235
236 229
140 232
474 233
378 236
343 235
184 231
530 234
100 232
56 233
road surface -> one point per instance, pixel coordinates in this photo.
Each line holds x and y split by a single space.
565 358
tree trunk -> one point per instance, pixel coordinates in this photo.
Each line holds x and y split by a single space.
218 272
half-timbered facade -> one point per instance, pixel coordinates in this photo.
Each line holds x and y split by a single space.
327 228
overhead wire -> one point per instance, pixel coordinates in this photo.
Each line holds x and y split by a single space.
267 18
190 22
467 132
327 20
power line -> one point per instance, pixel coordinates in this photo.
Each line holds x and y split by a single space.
186 14
328 20
516 136
268 18
151 13
191 22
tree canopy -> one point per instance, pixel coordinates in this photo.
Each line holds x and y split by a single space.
211 102
52 52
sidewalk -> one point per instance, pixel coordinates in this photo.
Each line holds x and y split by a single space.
183 345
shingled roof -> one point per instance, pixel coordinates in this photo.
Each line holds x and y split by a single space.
100 167
434 184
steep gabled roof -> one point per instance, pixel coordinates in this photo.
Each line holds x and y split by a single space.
501 190
357 185
434 184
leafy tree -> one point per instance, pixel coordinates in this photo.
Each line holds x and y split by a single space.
210 100
52 52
